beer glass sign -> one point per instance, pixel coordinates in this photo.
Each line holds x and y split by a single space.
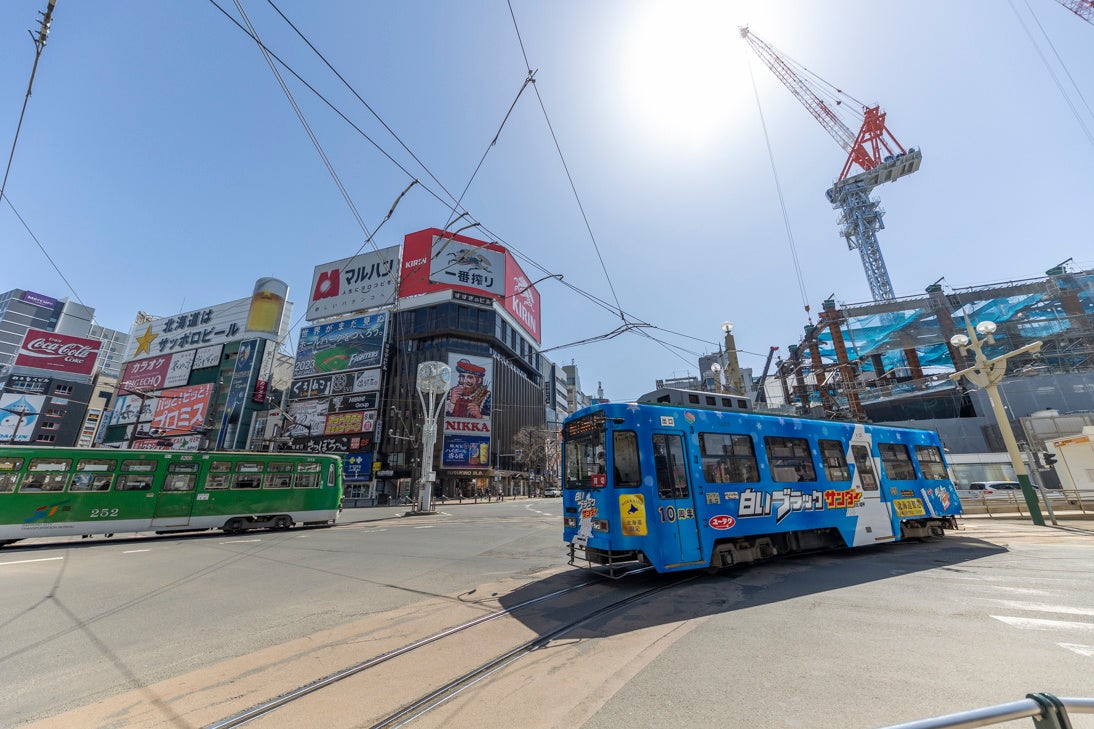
267 305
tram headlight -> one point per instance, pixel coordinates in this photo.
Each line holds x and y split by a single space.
570 522
600 525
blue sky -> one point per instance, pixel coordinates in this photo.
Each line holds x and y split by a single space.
162 168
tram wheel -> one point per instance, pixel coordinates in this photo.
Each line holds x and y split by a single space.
234 526
282 522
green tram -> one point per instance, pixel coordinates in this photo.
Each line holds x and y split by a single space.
47 492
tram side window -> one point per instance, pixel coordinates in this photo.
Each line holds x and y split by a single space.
307 475
789 459
93 474
217 481
247 481
8 482
625 455
181 477
728 458
668 459
930 462
134 482
896 461
834 460
43 474
9 474
865 465
280 476
139 466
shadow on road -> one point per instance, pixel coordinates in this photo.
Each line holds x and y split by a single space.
738 588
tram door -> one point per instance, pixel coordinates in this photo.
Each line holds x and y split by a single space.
867 476
677 525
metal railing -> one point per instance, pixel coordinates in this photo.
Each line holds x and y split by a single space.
1046 710
1012 501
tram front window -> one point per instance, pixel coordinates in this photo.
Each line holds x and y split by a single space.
583 443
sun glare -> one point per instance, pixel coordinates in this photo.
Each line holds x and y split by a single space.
680 75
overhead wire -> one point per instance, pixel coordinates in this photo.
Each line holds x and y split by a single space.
1048 67
630 322
782 198
566 167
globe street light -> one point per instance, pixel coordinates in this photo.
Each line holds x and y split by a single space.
732 366
987 374
434 379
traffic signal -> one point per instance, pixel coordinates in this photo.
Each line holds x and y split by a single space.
1050 459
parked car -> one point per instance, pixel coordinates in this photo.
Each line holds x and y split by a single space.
551 492
989 489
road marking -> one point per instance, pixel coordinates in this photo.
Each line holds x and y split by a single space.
25 561
242 541
1038 624
423 527
1082 650
1041 607
136 551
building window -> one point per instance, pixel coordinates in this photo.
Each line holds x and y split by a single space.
50 425
62 390
47 438
55 413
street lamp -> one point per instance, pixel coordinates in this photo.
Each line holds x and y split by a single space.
987 374
732 366
433 380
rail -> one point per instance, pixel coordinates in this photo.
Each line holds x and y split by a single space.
1046 710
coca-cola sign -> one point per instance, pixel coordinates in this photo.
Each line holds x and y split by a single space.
51 351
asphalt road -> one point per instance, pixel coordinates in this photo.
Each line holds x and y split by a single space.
843 639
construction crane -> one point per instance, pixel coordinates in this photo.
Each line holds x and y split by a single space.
761 394
873 149
1083 8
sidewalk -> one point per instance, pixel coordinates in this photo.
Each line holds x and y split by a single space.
1067 524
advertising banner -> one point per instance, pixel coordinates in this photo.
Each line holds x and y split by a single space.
243 376
332 443
432 263
178 372
46 302
521 298
19 414
207 356
182 410
345 423
466 413
51 351
145 375
353 284
126 407
306 418
349 403
204 328
27 384
350 344
435 263
357 466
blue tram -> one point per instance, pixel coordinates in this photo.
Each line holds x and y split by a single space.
686 480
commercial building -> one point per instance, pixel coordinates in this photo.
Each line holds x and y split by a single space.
198 379
52 356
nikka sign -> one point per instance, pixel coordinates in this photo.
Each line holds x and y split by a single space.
60 352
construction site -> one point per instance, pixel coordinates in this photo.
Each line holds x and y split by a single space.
934 360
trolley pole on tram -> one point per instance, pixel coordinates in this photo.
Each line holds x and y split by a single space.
987 374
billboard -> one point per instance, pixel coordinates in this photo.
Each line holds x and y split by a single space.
341 383
243 377
46 302
203 328
28 384
60 352
353 284
349 344
145 375
178 372
435 263
466 413
18 415
181 410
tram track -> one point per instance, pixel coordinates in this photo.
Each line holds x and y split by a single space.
431 700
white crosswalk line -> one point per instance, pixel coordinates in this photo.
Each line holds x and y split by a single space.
1041 624
1082 650
1041 607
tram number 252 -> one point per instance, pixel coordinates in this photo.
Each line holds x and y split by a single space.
671 513
103 513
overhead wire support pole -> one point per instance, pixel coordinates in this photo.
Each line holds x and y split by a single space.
39 45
